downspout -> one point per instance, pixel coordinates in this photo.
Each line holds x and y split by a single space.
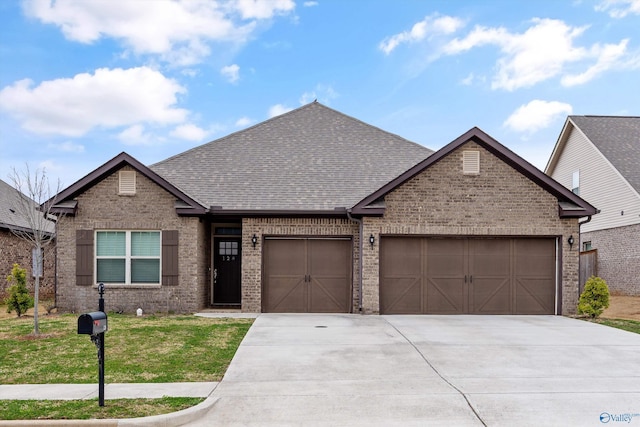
580 243
360 255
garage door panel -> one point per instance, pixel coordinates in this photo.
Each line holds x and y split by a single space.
467 275
490 295
401 295
533 296
303 275
445 295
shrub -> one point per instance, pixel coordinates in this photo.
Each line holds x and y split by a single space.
19 298
595 297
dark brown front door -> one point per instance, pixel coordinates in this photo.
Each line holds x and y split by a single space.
226 275
306 275
467 275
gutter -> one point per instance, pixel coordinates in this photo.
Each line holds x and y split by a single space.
360 255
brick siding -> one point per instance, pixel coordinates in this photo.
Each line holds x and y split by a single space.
618 257
497 202
13 250
151 208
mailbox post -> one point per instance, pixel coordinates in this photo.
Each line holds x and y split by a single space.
95 324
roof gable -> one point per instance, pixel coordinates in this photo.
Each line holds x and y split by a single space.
312 159
618 139
570 205
64 202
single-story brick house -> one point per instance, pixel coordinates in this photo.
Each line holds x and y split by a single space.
315 211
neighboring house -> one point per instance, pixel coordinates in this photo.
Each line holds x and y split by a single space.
14 249
598 157
315 211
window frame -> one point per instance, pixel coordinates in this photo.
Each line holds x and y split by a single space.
575 182
128 257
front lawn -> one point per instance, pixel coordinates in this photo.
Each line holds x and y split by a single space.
150 349
624 324
137 349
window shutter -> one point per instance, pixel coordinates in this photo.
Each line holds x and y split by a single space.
170 257
84 257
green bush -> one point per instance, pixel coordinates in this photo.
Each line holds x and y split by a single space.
595 297
19 298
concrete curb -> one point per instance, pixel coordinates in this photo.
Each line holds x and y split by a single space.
165 420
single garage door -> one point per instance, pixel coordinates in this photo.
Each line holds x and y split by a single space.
307 275
421 275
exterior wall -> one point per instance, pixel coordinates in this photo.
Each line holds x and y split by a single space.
497 202
600 184
252 257
151 208
618 257
16 250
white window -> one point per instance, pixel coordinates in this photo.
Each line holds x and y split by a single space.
128 257
575 182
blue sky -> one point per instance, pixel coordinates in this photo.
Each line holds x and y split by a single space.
81 81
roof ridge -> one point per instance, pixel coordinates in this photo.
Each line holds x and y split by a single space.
605 116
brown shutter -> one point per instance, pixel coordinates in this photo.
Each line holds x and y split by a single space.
170 257
84 257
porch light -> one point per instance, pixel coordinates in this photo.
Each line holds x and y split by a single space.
372 240
570 241
254 240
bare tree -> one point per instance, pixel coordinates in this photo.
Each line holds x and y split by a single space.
38 224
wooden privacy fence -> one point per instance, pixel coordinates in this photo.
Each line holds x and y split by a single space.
588 266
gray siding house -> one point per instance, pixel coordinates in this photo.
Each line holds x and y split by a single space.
598 157
315 211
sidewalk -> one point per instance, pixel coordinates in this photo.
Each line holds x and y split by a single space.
111 391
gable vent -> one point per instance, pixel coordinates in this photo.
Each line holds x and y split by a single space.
471 162
127 182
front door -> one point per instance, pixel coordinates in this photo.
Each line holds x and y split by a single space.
226 273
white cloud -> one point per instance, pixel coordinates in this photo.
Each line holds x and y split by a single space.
608 56
537 115
545 50
68 147
189 132
264 9
323 93
619 8
108 98
310 3
177 31
278 109
430 26
243 122
135 135
231 73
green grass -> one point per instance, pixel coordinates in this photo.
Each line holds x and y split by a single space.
89 409
137 350
627 325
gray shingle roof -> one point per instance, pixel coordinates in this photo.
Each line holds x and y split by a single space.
311 158
10 216
618 139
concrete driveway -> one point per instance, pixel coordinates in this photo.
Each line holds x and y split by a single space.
430 370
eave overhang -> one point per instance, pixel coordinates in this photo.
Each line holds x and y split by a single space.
218 211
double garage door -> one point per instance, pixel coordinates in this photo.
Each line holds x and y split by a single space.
421 275
307 275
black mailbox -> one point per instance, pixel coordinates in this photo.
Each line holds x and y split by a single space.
93 323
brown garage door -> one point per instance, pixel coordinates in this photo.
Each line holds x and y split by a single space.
307 275
467 276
